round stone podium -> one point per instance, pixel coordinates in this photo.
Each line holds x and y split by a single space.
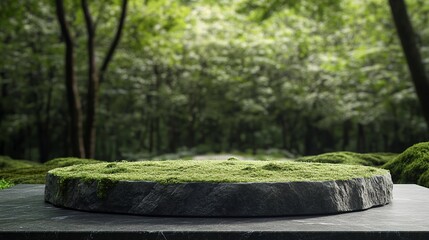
218 188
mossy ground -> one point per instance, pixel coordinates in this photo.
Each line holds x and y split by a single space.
36 173
216 171
65 162
365 159
411 166
9 163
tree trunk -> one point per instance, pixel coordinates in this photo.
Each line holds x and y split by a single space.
93 77
151 135
284 131
74 105
361 139
346 134
173 134
115 41
3 110
43 120
93 83
157 120
412 54
309 138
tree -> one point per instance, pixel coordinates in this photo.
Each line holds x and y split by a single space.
95 76
412 54
73 99
83 143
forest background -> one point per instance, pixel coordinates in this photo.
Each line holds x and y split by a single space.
191 77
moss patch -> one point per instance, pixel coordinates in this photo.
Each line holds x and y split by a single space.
5 184
65 162
411 166
9 163
36 174
216 171
352 158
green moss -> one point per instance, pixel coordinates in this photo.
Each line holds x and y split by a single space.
36 173
411 165
424 179
365 159
5 184
65 162
9 163
216 171
26 175
104 185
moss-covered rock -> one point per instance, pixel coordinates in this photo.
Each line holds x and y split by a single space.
352 158
411 166
230 188
35 174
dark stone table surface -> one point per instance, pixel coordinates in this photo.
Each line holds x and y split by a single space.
25 215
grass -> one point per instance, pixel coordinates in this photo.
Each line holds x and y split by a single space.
216 171
365 159
36 174
411 166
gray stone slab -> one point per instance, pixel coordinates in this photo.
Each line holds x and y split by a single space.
24 215
201 199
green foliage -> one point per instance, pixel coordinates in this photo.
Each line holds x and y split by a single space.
36 173
5 184
411 166
366 159
424 179
215 76
175 171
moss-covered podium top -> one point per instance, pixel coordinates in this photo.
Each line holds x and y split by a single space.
180 171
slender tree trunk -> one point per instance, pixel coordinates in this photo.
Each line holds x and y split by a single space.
157 120
151 135
309 138
93 84
43 122
74 105
412 54
94 78
361 138
346 134
173 134
191 131
115 41
253 139
284 132
231 137
3 110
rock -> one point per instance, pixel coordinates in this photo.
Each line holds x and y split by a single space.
220 199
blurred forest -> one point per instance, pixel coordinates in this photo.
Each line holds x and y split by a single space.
296 77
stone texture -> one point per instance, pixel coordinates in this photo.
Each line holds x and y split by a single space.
221 199
24 215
